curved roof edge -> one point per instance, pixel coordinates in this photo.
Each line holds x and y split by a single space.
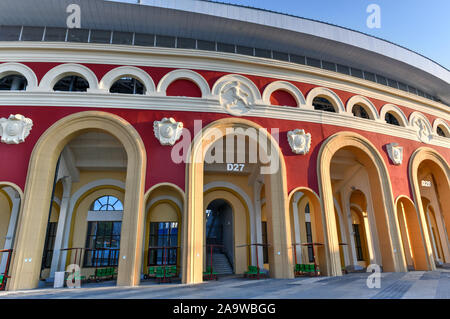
307 26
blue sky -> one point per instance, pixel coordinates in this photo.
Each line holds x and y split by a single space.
420 25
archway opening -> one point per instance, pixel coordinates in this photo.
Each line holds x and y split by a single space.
356 182
434 189
86 231
412 235
232 160
220 236
306 229
115 149
163 231
9 213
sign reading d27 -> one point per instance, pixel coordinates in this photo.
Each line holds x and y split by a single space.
235 167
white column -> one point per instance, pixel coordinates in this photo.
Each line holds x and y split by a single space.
298 248
348 214
57 261
15 198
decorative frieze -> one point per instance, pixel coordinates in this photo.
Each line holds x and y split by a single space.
15 129
299 141
167 131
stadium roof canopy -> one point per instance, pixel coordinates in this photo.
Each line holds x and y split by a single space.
238 25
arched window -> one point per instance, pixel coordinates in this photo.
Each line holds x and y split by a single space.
13 82
440 131
322 104
127 85
71 83
391 119
360 111
108 203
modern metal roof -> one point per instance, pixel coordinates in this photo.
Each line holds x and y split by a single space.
240 25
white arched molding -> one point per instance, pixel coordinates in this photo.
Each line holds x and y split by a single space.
11 68
329 95
224 80
443 125
283 86
123 71
183 74
364 102
396 111
58 72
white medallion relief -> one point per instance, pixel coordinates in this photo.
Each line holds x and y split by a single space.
299 141
423 131
167 131
15 129
395 153
236 97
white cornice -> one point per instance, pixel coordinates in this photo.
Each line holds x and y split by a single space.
213 61
186 104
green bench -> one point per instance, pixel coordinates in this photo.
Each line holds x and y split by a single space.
253 272
305 269
209 273
170 271
103 274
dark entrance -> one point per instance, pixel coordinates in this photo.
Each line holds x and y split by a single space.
219 236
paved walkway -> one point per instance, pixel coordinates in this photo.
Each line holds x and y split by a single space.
416 284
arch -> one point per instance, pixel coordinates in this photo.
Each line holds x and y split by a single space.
13 186
244 197
187 75
241 255
11 68
400 116
34 211
364 102
178 204
443 125
193 247
385 219
58 72
441 172
414 245
318 226
283 86
327 94
115 74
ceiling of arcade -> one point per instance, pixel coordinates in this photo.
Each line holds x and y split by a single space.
96 151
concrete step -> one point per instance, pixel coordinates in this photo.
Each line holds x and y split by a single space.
221 264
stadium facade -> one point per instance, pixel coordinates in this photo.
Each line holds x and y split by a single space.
159 132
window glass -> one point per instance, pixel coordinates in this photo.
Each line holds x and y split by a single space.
322 104
391 119
107 203
163 242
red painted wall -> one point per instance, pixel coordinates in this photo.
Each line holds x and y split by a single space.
302 169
